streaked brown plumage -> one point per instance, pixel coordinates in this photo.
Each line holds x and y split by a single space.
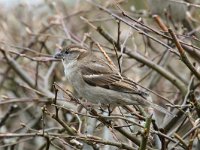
99 82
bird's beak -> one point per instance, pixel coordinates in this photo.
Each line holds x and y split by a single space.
58 55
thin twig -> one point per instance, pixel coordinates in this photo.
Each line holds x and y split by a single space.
145 134
183 55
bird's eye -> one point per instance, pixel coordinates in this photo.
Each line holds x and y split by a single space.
66 52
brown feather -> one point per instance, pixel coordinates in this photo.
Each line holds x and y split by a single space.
103 75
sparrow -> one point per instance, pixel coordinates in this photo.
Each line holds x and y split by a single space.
97 81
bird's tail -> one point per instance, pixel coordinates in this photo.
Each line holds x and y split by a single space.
161 109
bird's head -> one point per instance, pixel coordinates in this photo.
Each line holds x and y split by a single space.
70 54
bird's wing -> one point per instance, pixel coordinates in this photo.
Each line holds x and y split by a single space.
104 76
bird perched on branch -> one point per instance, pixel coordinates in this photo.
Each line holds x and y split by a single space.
98 81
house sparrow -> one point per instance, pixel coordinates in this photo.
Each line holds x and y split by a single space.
97 81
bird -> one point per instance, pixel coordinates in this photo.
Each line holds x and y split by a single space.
99 82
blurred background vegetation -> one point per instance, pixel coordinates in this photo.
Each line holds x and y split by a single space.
156 43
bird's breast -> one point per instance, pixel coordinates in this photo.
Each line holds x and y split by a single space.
69 68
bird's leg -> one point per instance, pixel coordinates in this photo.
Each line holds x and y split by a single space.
110 109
